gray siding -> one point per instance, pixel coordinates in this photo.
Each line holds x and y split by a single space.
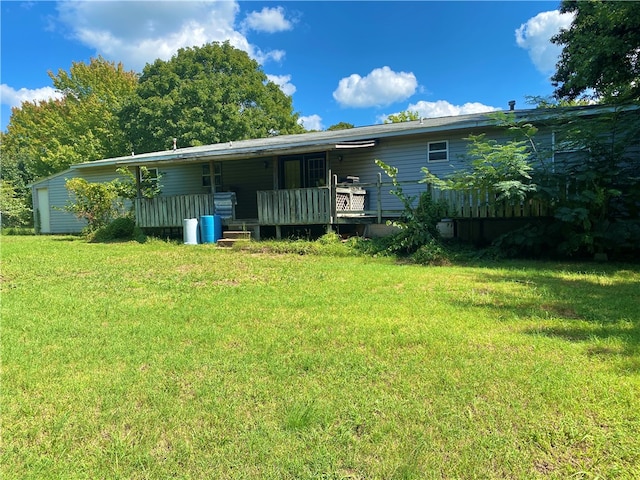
182 179
409 155
60 220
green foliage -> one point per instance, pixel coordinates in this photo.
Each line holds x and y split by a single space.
204 95
404 116
341 126
44 138
96 203
13 211
430 253
595 185
600 51
150 186
416 225
120 229
501 170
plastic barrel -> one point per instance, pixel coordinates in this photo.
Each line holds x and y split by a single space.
190 230
210 228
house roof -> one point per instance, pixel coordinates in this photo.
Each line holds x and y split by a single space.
328 140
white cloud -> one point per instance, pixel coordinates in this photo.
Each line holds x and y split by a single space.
139 32
535 37
311 122
442 108
381 87
268 20
283 81
14 98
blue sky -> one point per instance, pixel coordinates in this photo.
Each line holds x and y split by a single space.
341 61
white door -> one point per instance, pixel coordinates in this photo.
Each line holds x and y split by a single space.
43 210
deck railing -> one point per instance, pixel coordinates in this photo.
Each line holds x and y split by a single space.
171 211
470 204
339 203
299 206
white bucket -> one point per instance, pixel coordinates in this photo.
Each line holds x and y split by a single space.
190 227
446 228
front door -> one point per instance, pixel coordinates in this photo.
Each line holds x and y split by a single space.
303 171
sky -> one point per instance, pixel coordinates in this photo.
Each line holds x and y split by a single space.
341 61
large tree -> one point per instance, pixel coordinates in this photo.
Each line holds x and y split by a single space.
203 95
46 137
601 51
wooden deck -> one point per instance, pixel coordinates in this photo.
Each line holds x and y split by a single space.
335 204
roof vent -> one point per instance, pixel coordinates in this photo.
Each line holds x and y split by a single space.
512 104
175 143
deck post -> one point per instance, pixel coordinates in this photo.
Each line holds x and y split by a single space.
379 197
138 184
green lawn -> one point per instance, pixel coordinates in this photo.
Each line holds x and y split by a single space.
162 360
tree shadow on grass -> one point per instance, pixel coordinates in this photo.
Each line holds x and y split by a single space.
598 306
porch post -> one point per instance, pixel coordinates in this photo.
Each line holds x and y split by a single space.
138 183
379 199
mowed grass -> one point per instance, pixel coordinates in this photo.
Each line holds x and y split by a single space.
174 361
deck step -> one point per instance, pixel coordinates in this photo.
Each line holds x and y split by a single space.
236 235
230 237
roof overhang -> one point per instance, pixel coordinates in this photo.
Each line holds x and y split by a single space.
359 137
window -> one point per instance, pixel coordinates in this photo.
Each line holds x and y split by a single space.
149 181
217 175
438 151
148 175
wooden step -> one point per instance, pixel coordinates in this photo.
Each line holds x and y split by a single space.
236 235
230 237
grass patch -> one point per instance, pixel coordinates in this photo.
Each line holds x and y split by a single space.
159 360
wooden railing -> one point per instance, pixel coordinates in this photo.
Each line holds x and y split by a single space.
339 203
473 204
299 206
172 210
481 204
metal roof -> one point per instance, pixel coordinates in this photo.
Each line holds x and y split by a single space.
326 140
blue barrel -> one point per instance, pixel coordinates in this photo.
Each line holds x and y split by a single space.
210 228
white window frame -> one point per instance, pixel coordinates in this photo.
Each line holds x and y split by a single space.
445 150
152 174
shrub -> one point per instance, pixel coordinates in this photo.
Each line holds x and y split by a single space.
431 253
119 229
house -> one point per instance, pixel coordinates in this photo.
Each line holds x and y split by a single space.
326 179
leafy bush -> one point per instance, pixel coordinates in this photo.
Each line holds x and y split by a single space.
97 203
431 253
417 226
123 228
17 231
14 212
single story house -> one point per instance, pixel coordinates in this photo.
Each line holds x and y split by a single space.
326 178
